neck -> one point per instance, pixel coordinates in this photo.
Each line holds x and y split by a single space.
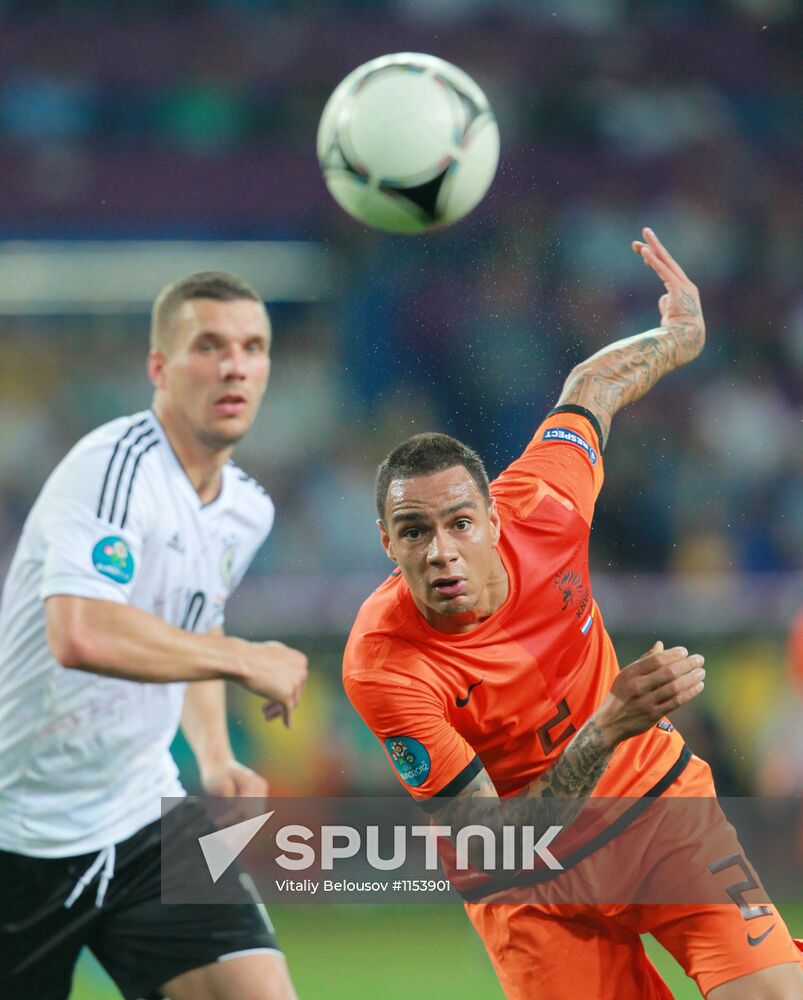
492 598
201 462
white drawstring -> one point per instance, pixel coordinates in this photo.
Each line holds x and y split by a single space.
104 860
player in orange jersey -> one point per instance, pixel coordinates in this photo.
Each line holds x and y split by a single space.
483 666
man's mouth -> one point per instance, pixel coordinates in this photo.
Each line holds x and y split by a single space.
231 404
450 586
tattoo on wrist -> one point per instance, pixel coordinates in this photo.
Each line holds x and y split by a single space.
689 305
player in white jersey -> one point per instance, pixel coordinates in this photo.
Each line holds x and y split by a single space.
114 601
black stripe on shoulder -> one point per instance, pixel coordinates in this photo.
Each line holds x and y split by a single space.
148 433
583 412
120 441
455 786
144 451
245 478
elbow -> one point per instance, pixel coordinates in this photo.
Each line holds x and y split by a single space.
69 638
67 648
576 376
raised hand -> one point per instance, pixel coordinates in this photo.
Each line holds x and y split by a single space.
657 683
680 305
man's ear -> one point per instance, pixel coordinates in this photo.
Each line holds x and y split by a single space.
493 517
156 363
384 538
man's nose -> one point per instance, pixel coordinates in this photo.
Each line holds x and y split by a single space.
232 364
441 550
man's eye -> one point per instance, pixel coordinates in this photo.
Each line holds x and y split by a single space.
462 523
206 347
411 533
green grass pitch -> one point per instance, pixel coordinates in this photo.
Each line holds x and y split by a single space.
392 953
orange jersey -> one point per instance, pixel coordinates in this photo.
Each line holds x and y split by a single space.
508 694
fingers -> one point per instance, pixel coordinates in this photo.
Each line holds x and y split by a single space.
251 786
656 256
681 690
674 678
664 272
656 248
661 667
658 657
272 710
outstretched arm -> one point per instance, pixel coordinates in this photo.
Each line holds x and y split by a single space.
624 371
121 640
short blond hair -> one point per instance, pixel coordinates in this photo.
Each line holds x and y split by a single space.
218 285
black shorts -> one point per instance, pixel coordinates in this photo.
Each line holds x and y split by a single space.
141 942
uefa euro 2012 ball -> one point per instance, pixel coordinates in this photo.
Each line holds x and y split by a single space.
408 143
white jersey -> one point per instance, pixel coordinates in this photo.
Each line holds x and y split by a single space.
84 759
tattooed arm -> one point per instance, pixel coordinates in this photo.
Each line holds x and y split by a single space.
624 371
657 683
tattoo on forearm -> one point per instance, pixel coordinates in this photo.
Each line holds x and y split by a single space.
625 371
578 769
561 791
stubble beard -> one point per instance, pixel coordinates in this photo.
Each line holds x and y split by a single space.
216 441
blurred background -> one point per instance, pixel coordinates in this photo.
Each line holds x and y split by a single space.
184 132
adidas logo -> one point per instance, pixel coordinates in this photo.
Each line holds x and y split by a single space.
175 544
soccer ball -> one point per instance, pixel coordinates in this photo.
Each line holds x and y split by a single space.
408 143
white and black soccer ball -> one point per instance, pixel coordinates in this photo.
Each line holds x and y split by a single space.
408 143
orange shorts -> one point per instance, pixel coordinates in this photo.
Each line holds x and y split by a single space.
561 950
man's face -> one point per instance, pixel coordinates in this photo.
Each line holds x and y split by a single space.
213 373
441 532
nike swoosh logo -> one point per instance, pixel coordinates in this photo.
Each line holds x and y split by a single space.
753 941
462 702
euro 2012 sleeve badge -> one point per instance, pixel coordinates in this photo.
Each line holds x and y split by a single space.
112 558
410 758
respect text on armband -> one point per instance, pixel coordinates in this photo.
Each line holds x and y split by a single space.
567 436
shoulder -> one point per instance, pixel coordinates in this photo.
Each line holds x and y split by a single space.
247 487
381 658
116 436
250 502
385 677
105 463
562 460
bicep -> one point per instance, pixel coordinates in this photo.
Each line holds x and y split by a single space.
63 619
74 624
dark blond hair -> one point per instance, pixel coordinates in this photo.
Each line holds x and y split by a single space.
218 285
